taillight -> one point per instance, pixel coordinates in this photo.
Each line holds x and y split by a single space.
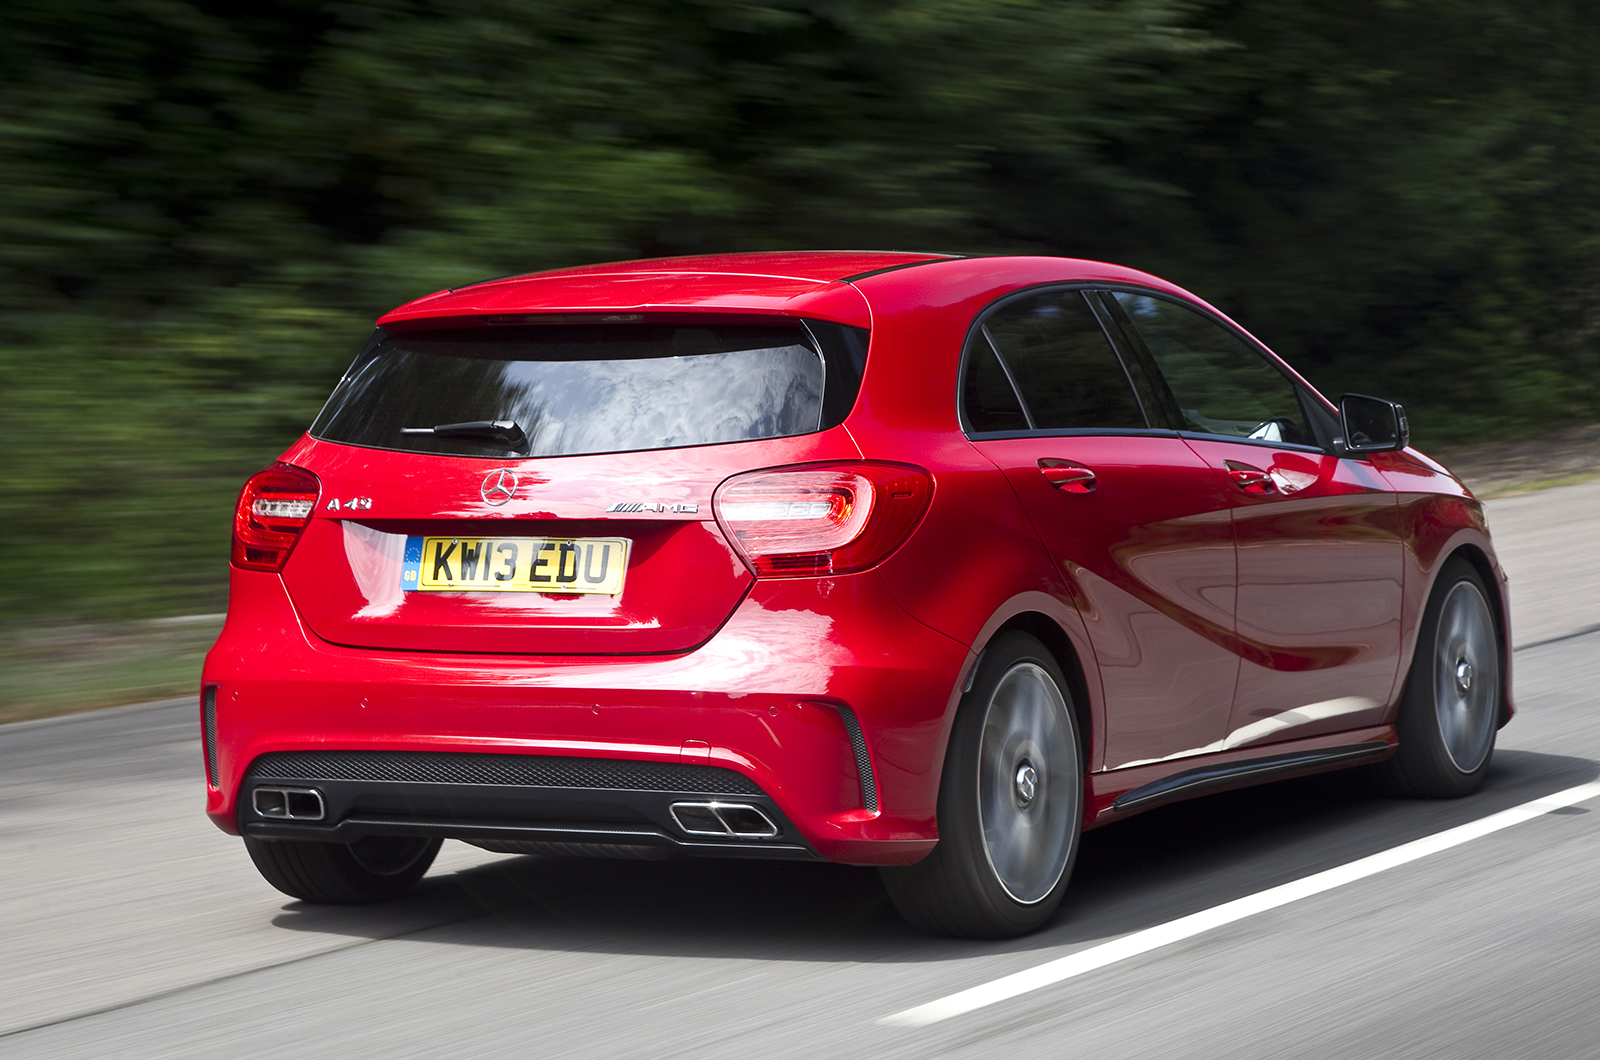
274 507
821 518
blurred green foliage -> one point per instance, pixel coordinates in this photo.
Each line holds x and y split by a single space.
203 205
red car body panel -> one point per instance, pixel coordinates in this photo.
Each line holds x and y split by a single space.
359 603
1320 593
1150 553
787 284
1164 591
757 699
1439 518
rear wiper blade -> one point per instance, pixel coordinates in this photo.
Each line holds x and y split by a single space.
506 431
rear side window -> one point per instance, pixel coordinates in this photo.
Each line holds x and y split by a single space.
1065 374
990 402
592 388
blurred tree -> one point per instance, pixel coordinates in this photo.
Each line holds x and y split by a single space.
1399 198
202 207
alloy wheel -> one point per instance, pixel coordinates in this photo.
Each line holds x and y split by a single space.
1029 785
1466 676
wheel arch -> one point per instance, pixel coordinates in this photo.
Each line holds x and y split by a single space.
1059 627
1046 631
1499 607
1465 546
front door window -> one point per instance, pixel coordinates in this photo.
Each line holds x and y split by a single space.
1222 385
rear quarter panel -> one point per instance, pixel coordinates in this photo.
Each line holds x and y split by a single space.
976 562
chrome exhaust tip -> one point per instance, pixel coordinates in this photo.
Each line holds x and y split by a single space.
289 804
722 819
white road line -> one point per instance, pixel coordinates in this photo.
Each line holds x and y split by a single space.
1085 961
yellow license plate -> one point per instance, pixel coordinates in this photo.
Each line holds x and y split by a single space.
515 564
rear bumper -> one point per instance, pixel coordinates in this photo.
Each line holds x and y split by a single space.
527 803
770 698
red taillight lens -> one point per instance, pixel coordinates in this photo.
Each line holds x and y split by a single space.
275 505
821 518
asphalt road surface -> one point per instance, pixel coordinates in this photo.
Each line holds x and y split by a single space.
130 927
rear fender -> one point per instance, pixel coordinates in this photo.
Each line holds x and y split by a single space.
1060 628
971 594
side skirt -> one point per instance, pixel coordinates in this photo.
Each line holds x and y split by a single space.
1122 792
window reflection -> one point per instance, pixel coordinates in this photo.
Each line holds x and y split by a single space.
1222 385
581 389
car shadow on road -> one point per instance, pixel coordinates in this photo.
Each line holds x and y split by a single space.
1131 875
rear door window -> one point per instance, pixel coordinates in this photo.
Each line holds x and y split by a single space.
590 388
1063 374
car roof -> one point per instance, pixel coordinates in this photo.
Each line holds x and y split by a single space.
816 265
819 283
785 282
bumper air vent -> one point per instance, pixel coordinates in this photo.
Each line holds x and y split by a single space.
858 743
208 731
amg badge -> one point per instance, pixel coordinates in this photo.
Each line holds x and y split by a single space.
625 506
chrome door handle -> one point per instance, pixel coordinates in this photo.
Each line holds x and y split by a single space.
1066 476
1250 479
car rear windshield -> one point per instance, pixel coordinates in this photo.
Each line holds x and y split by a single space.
564 389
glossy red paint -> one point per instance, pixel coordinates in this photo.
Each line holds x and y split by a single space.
1197 620
359 602
1150 549
761 696
1438 517
1320 592
795 284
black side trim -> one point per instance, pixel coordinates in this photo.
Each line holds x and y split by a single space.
1081 432
897 268
1195 781
1297 447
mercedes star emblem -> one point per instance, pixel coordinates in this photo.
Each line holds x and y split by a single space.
498 486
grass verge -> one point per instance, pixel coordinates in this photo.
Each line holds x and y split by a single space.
60 669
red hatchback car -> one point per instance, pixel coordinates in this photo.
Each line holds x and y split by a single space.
909 560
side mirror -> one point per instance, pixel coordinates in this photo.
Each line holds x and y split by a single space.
1373 425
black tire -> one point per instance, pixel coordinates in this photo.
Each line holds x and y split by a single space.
1454 694
1007 879
374 869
